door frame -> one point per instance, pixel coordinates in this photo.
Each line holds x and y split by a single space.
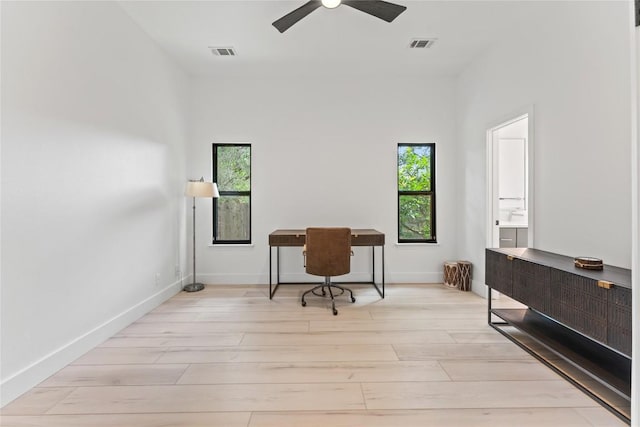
491 172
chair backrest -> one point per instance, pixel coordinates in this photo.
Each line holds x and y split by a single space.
328 251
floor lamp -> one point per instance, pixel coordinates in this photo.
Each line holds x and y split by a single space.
198 189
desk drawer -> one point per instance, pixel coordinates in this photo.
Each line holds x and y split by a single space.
359 237
367 240
286 239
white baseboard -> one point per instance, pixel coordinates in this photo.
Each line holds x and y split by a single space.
20 382
479 288
243 279
415 277
231 279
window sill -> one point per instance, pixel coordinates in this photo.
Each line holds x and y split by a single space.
231 245
417 244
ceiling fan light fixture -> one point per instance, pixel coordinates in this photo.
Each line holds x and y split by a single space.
378 8
331 4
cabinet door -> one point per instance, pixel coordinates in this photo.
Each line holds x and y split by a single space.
522 237
531 284
498 272
580 304
619 320
508 237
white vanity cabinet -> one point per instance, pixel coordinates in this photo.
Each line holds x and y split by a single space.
514 237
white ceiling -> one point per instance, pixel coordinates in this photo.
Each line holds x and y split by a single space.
341 41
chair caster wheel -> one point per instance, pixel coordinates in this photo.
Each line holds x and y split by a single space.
335 312
304 303
353 299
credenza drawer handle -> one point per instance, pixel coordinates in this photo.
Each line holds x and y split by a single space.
506 240
604 284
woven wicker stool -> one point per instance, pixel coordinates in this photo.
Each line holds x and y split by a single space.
464 275
451 274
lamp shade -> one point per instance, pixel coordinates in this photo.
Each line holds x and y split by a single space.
202 189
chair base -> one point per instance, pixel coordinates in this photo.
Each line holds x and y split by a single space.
329 286
193 287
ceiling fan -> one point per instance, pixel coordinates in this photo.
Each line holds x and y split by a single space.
378 8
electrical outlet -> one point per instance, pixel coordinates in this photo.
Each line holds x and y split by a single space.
157 279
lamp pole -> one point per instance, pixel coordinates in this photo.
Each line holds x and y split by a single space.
194 286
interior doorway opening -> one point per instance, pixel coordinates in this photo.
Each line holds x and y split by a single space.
510 183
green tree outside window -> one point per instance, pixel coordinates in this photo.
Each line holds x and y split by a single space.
416 193
232 210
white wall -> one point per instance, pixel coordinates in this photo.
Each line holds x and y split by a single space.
574 71
93 134
324 153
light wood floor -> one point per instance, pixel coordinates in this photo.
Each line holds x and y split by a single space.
228 356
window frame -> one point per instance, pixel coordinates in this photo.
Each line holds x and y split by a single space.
431 193
214 174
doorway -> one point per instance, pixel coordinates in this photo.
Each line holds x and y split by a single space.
509 183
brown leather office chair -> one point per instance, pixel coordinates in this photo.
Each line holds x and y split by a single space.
327 253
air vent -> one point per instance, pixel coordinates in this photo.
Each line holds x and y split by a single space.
223 51
421 43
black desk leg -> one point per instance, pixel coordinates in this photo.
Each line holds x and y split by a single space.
272 289
373 279
382 271
373 267
273 292
270 294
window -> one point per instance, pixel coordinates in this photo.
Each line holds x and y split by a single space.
232 210
416 193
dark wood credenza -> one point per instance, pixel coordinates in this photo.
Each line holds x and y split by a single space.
576 321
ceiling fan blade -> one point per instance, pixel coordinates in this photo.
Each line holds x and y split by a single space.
284 23
378 8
